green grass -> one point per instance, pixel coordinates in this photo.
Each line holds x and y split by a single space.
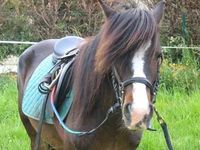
180 110
12 133
182 114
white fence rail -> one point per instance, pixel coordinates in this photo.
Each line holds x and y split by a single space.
10 64
31 43
17 42
180 47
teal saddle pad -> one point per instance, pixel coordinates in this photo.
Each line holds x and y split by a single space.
33 99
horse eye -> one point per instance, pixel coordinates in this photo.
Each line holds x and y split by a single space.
159 55
160 58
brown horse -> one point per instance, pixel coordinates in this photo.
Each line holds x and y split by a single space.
117 66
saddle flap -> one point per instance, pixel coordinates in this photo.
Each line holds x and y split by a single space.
65 45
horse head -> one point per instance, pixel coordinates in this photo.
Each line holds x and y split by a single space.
130 45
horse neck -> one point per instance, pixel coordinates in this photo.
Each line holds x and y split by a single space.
94 94
94 109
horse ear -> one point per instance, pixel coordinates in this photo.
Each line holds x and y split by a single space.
158 11
106 9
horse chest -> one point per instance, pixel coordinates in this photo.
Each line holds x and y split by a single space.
118 141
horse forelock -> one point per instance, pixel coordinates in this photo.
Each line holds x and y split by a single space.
123 34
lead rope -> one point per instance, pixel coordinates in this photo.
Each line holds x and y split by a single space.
163 125
160 119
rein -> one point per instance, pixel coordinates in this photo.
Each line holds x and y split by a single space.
111 110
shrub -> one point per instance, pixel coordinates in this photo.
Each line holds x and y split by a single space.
183 75
16 27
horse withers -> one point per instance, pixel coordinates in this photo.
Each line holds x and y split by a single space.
113 78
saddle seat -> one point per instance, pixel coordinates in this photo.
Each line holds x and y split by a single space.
65 46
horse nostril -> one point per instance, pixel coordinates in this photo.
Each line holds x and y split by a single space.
127 111
128 107
145 119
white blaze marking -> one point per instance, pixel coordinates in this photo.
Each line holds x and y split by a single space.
140 97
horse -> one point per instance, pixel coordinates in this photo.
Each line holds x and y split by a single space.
114 78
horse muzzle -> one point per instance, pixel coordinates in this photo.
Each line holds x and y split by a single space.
137 118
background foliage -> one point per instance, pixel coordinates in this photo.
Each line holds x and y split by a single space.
36 20
31 20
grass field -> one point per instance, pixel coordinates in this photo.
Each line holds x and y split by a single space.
12 133
180 110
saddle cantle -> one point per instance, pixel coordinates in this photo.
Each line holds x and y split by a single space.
65 46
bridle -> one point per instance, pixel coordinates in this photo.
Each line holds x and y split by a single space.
120 85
